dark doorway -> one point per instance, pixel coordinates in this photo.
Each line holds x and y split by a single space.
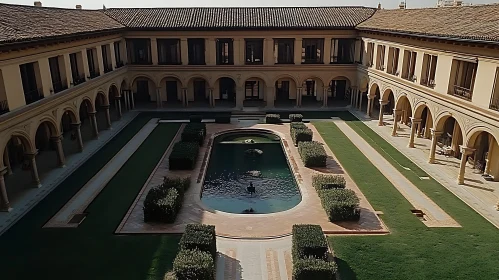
199 90
227 89
310 88
282 89
142 92
171 91
338 89
252 89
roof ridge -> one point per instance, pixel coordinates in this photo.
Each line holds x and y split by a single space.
48 8
242 7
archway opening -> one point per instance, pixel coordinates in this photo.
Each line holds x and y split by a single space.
373 92
405 113
424 113
125 96
285 92
225 92
18 177
171 91
484 158
198 95
45 142
68 133
339 92
86 121
254 93
100 108
143 92
114 103
312 92
451 138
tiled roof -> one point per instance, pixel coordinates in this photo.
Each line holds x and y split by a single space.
241 18
25 23
479 22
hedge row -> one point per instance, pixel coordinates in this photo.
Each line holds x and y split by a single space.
312 154
310 254
295 117
196 258
273 118
183 156
300 132
163 202
194 132
340 204
322 182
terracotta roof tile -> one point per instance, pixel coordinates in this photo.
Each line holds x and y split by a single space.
242 18
479 22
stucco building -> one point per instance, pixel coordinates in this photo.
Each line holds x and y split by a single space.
67 74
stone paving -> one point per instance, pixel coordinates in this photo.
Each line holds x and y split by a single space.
479 194
254 260
32 196
80 201
434 216
309 210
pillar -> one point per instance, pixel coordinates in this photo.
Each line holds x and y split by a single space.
159 100
396 113
93 120
465 152
360 101
414 125
131 99
108 117
154 51
489 156
60 151
185 101
240 97
427 126
382 104
118 103
77 131
268 51
6 160
298 51
434 138
369 105
270 97
184 51
4 200
34 169
298 96
324 97
211 97
67 69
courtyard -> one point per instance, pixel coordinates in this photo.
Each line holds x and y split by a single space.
388 242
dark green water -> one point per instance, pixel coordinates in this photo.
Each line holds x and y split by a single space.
227 178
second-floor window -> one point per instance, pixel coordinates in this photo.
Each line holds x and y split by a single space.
494 100
312 50
462 78
139 51
428 71
370 54
254 51
169 51
393 61
196 51
106 58
55 72
408 71
117 54
342 51
380 58
76 68
284 51
92 63
30 86
225 52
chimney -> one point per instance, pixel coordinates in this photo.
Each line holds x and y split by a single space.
78 7
458 3
38 4
379 6
402 5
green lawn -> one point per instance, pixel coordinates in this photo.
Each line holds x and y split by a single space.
412 250
93 251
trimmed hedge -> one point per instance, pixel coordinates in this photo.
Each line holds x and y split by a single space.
200 237
297 125
301 135
181 184
194 264
295 117
323 182
312 154
162 205
195 118
183 156
340 204
222 119
307 269
194 132
309 241
273 118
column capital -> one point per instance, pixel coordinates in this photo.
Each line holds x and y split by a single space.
31 155
76 124
56 138
382 102
105 106
396 111
92 113
371 97
466 150
435 132
414 120
184 88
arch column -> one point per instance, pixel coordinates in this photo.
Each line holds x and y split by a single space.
382 104
6 160
61 160
434 138
465 152
298 96
131 99
414 125
108 116
489 156
159 101
211 97
4 199
34 169
77 131
359 104
185 101
370 99
270 97
118 105
396 114
93 121
324 96
239 97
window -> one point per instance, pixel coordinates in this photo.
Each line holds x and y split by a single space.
393 61
312 50
92 66
342 51
370 54
254 51
462 78
117 54
429 69
169 51
55 72
409 66
380 58
494 102
139 51
196 51
76 72
106 58
252 89
284 51
225 52
30 87
361 51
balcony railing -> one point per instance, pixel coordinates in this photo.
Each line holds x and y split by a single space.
108 68
78 80
461 92
4 107
119 64
93 74
59 86
428 83
33 96
494 104
342 60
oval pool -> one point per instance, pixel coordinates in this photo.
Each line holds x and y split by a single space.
240 158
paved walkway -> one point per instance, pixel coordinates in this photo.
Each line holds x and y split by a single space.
32 196
479 194
434 215
80 201
240 259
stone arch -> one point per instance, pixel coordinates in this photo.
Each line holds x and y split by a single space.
23 137
314 77
372 89
100 99
124 84
224 89
486 150
170 76
403 104
452 132
285 76
142 76
190 79
52 126
364 84
198 87
256 77
255 87
339 88
423 112
473 133
89 103
171 89
285 88
67 118
144 88
112 85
